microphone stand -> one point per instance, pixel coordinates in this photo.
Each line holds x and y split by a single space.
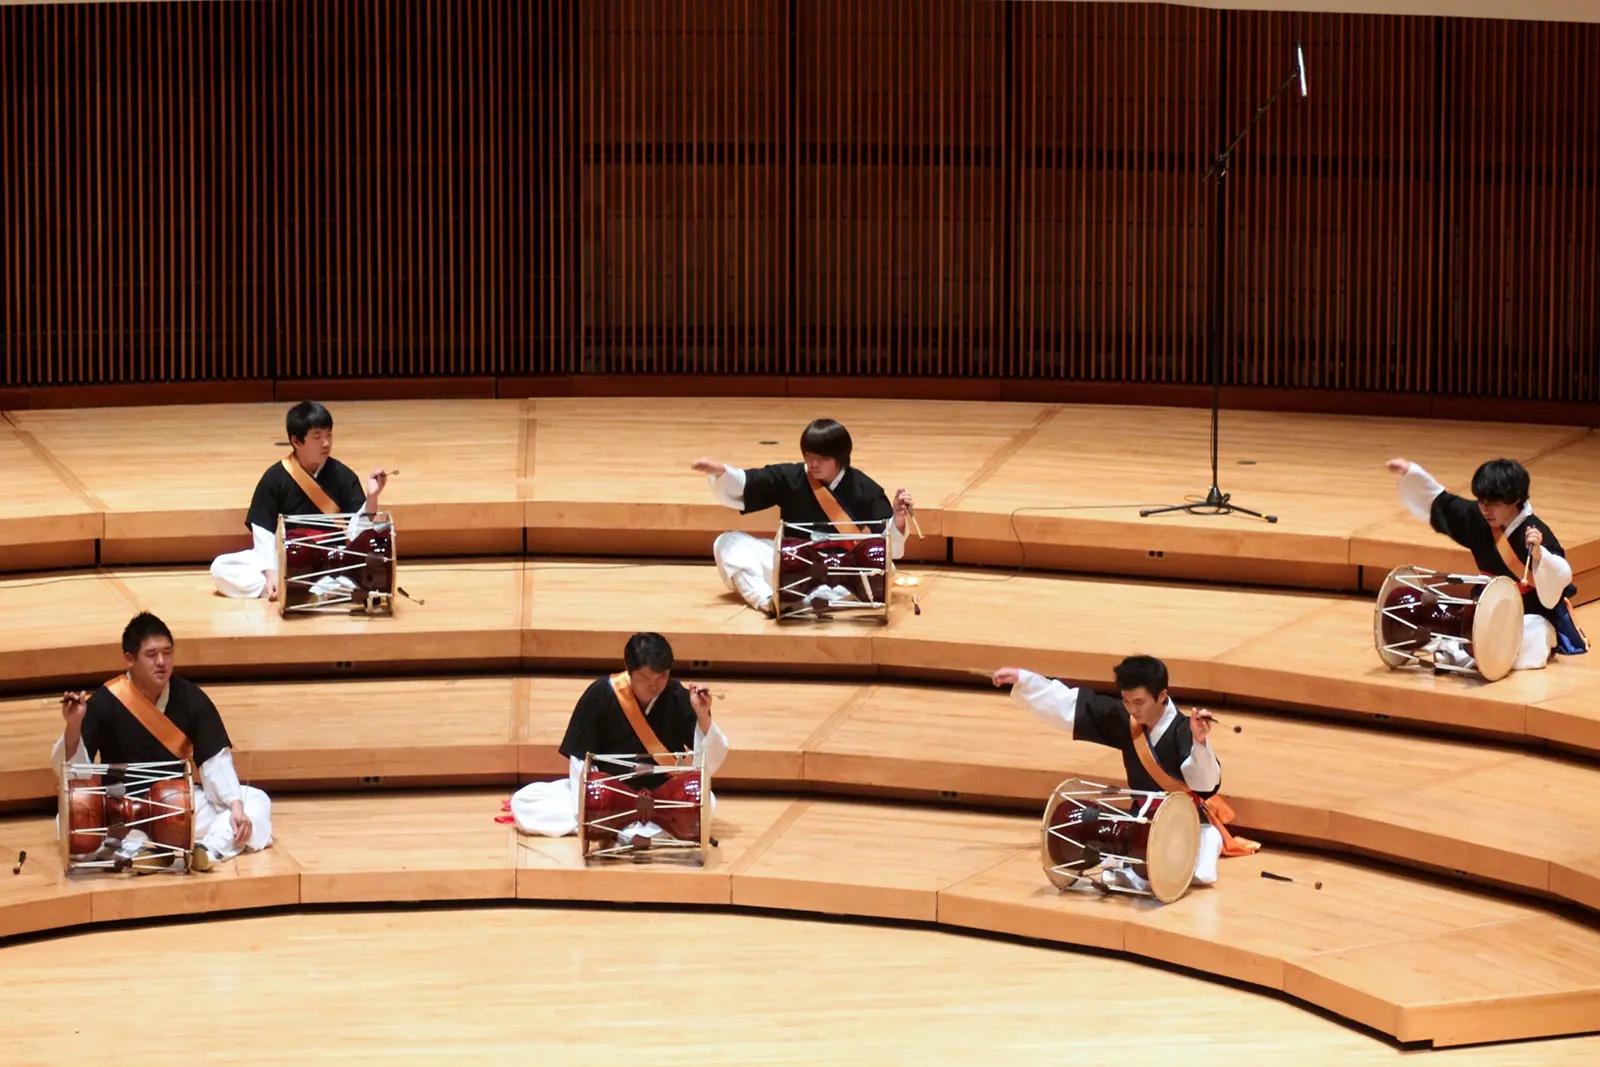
1217 502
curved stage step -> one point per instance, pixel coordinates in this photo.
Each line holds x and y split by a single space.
1278 650
1436 804
1059 484
1377 947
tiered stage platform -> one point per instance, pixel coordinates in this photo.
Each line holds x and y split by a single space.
881 778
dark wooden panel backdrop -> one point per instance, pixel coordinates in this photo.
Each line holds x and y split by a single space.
382 188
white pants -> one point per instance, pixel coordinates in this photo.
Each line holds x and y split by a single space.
1538 638
241 574
213 825
1205 867
745 563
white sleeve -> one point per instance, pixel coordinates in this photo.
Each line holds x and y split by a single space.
728 487
1201 770
897 540
1551 578
1055 703
1418 489
575 778
264 543
220 780
57 753
710 749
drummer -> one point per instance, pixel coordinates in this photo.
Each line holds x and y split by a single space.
641 710
1162 750
150 715
307 481
1505 538
822 489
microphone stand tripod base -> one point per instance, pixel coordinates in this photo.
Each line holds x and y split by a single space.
1216 502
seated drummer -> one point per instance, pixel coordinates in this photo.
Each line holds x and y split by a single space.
307 481
1158 754
1506 538
822 489
641 711
150 715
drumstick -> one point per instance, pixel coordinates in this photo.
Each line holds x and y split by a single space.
22 857
915 525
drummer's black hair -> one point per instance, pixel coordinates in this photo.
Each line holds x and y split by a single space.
306 416
647 650
1141 672
141 628
825 437
1501 481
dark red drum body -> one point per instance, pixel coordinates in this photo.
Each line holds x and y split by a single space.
1089 829
674 799
102 804
320 570
853 568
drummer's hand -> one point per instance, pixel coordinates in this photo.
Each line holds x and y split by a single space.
1398 466
709 466
1534 541
700 700
269 587
74 705
902 503
1199 725
375 483
1007 676
241 825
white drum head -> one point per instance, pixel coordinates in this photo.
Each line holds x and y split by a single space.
1174 846
1497 628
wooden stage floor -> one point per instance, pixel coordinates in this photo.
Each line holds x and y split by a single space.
880 778
1056 486
1379 947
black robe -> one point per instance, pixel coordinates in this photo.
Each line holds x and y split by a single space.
1460 520
599 726
277 493
1104 721
786 487
111 734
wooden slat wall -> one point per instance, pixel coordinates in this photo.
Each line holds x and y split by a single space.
135 235
383 188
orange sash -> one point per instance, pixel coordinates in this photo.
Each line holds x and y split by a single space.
1508 556
161 728
308 485
1216 810
630 709
830 507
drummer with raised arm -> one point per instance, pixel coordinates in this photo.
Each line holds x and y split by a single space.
1505 538
823 489
1163 750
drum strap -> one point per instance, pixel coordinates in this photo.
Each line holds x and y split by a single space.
140 707
831 508
308 485
1217 811
630 709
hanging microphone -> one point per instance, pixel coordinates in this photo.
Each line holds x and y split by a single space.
1300 66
